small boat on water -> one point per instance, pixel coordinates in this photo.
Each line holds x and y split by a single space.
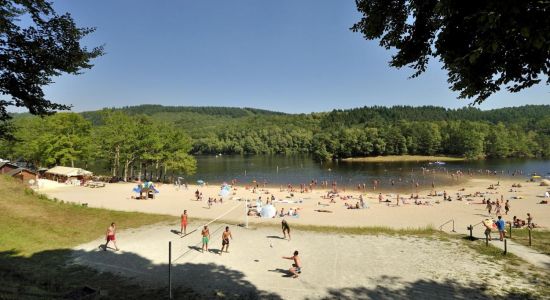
439 163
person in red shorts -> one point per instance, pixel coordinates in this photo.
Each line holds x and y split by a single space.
111 236
183 229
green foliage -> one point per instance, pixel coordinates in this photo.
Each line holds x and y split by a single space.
483 45
160 142
30 56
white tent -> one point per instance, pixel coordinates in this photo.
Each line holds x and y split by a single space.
68 171
268 211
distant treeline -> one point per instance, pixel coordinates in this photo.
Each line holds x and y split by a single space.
368 131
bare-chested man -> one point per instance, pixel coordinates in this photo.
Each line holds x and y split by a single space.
205 238
296 266
110 236
225 240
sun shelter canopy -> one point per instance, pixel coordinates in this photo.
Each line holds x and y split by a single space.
68 171
268 211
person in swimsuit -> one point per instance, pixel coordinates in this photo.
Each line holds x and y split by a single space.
507 206
183 229
286 229
296 266
110 236
205 237
225 240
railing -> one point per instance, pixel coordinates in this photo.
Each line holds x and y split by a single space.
451 220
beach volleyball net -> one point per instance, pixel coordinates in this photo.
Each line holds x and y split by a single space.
183 246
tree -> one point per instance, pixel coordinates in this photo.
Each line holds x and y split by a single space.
59 139
483 45
30 56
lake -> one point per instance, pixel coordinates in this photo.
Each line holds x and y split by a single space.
281 170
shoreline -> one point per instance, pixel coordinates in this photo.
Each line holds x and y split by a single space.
316 210
403 158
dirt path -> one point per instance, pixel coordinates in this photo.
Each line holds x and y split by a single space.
334 266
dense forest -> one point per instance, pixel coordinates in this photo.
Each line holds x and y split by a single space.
155 136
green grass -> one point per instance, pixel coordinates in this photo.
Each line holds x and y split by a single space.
540 239
374 230
32 223
36 237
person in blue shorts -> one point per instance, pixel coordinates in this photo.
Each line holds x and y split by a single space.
501 226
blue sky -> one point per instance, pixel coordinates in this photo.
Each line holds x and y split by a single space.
288 55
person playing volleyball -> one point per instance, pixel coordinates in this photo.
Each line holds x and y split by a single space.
225 240
205 237
110 236
286 229
183 229
296 266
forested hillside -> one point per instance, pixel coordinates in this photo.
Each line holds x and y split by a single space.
368 131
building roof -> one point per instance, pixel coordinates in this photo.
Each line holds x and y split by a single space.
2 164
68 171
18 170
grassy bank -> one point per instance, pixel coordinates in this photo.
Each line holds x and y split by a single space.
36 235
540 239
403 158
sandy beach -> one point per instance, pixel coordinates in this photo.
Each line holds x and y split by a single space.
334 266
469 210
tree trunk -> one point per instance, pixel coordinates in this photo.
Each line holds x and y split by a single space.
126 165
116 161
139 173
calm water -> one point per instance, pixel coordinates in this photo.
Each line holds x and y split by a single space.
282 170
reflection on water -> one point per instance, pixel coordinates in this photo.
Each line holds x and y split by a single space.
282 170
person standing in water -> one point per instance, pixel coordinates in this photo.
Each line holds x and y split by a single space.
286 229
225 240
183 229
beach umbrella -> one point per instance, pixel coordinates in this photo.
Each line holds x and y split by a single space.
268 211
224 193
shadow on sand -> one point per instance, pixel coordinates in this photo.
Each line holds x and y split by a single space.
63 273
393 288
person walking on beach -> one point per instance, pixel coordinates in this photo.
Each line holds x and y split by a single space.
488 230
183 228
497 209
507 207
286 228
296 266
530 223
110 236
501 225
225 240
205 238
489 206
379 197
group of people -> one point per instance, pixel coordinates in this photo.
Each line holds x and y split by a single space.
497 206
